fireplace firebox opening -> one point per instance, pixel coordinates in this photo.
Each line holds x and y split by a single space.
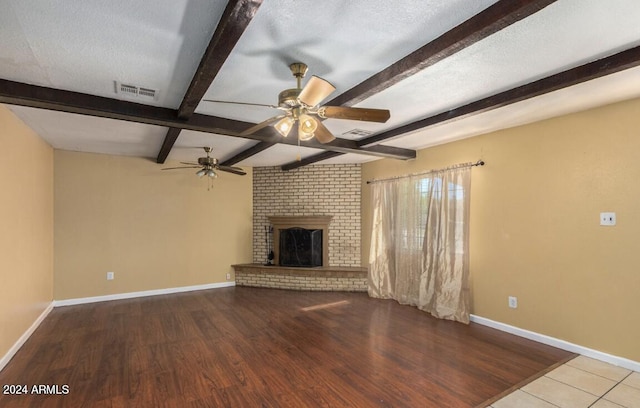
300 247
294 226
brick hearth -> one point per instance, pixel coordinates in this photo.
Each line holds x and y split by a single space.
336 278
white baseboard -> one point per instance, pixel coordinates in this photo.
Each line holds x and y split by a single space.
561 344
25 336
129 295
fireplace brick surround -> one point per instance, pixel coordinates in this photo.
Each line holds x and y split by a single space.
319 190
328 189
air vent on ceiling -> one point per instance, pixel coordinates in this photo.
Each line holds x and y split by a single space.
134 91
357 133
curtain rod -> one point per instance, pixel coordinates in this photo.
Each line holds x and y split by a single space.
455 166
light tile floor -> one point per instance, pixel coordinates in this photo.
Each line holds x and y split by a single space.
580 383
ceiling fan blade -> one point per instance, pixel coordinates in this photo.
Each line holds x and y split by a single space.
243 103
323 134
190 164
261 125
234 170
185 167
315 91
341 112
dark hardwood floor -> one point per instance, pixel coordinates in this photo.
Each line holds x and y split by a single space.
251 347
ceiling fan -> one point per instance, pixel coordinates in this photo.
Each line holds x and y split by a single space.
301 106
207 166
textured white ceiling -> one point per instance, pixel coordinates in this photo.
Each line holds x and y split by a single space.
613 88
85 46
344 42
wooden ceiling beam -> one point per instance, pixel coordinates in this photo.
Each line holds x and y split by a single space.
606 66
492 19
309 160
234 21
253 150
596 69
16 93
489 21
167 144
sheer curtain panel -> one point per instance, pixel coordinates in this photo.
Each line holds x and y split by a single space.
419 242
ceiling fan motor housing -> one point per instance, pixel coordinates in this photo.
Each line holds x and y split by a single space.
289 98
207 161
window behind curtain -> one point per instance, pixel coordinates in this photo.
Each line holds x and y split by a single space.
425 187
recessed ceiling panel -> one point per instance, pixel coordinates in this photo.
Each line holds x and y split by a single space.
602 91
85 46
69 131
189 145
278 155
349 158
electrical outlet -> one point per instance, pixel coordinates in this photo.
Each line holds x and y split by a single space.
228 276
608 218
513 302
110 276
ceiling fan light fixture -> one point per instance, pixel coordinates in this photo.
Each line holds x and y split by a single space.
307 124
201 172
303 136
284 126
306 127
211 173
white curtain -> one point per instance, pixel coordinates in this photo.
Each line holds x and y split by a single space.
419 242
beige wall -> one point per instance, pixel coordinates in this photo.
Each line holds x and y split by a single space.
154 229
26 228
535 230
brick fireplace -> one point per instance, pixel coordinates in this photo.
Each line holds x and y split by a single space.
330 190
321 278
